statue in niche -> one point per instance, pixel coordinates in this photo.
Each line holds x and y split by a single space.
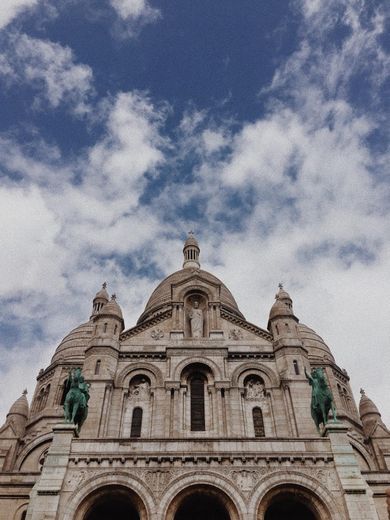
254 389
140 389
196 321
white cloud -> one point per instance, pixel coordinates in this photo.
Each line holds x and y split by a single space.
48 67
134 14
11 8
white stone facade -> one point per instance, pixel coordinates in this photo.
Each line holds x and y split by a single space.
213 414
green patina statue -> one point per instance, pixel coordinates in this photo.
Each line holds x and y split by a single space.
321 398
76 400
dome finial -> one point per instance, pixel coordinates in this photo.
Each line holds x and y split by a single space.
191 252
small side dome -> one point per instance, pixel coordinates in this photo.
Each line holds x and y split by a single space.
313 343
102 294
75 343
367 406
100 300
369 414
112 309
282 306
20 406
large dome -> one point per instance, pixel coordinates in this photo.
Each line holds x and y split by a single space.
162 296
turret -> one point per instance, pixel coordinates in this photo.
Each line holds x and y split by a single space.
18 415
191 253
100 300
100 365
282 321
369 415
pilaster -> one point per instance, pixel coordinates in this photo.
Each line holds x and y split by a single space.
45 495
357 495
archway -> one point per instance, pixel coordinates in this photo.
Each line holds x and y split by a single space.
202 501
113 502
286 507
291 502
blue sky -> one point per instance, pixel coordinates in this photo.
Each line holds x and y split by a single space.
261 125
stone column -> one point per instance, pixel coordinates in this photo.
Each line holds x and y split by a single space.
357 495
45 495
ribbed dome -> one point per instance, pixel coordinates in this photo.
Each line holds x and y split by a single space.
367 406
102 294
76 342
191 241
20 406
112 309
282 305
314 344
162 295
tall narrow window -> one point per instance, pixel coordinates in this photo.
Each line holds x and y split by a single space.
197 403
136 422
296 367
105 327
258 423
97 367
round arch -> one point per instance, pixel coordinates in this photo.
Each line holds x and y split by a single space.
267 374
82 500
213 367
304 487
129 372
362 454
37 446
206 483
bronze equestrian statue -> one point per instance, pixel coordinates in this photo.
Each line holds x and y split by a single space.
321 398
76 400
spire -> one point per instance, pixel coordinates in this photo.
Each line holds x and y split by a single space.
191 252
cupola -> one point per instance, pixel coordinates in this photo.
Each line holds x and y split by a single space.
18 414
369 414
191 252
101 298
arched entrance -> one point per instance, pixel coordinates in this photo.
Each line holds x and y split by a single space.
113 502
292 502
288 508
201 502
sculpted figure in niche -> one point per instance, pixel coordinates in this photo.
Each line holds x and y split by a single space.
140 389
196 321
254 389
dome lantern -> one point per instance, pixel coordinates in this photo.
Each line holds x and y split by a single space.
191 252
101 298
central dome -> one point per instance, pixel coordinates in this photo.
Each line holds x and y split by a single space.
161 297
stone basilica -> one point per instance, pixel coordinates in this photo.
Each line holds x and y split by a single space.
193 413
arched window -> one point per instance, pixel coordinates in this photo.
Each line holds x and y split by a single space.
197 403
346 399
97 367
136 422
105 327
46 396
296 367
41 400
258 423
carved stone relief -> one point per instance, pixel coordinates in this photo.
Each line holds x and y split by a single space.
157 334
254 389
235 334
139 390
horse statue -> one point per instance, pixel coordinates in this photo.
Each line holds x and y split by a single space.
76 399
321 398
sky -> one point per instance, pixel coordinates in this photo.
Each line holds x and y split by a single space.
261 125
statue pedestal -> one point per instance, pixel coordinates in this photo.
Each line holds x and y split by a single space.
357 494
45 494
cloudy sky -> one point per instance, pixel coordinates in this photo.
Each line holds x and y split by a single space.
262 125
